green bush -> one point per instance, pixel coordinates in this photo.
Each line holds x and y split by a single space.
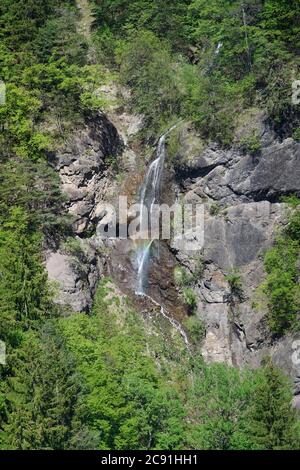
236 285
214 209
147 67
251 144
189 298
195 328
296 134
199 269
281 286
292 230
182 277
282 281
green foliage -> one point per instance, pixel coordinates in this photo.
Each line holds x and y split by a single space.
56 41
35 188
218 59
127 400
173 144
73 247
236 286
215 209
104 382
44 67
282 282
215 406
113 379
195 328
251 144
146 65
234 410
20 20
164 18
190 299
296 134
270 422
281 286
212 102
186 278
43 395
292 200
292 230
24 292
199 269
43 63
182 277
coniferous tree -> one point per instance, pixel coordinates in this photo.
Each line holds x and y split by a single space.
270 421
42 395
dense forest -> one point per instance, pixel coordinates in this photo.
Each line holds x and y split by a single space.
103 380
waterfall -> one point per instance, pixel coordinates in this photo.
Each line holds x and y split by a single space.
220 44
150 193
172 320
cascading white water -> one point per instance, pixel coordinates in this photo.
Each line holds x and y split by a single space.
218 48
172 320
150 193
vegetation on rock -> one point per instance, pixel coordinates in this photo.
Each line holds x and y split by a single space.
109 380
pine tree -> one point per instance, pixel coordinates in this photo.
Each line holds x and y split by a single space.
24 291
42 395
272 421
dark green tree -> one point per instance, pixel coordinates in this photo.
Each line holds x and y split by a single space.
24 290
270 422
42 395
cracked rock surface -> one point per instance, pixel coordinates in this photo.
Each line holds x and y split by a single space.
243 210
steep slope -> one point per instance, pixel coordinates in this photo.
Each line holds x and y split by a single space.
93 88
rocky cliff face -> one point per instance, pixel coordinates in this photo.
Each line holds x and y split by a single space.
84 164
242 194
88 164
243 209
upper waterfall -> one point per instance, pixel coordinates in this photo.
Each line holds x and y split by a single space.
150 195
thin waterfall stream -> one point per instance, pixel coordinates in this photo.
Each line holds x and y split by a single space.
150 196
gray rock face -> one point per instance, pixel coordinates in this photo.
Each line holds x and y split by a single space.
274 173
83 166
235 239
245 193
240 234
86 179
75 277
230 177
